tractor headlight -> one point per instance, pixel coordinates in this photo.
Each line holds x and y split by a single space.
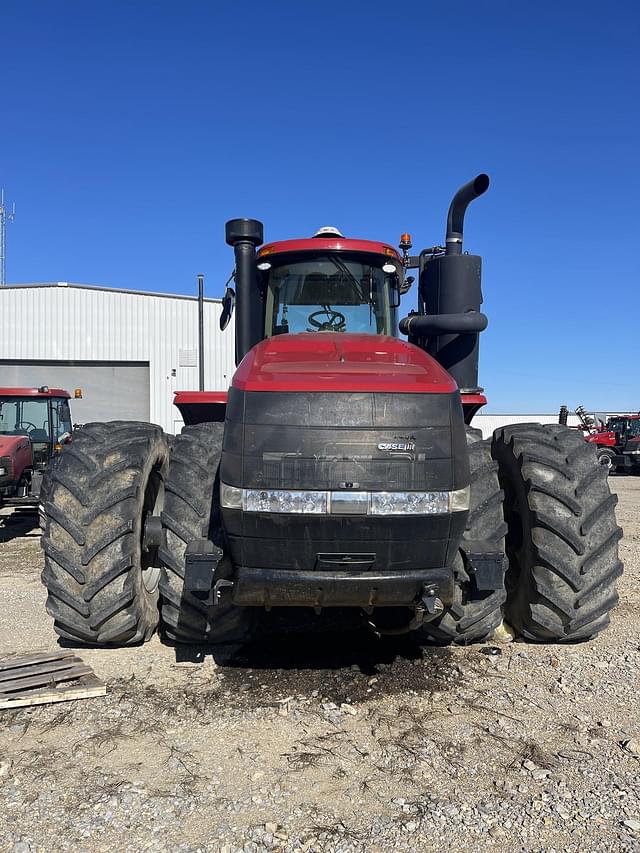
409 503
3 471
273 500
282 500
418 503
344 503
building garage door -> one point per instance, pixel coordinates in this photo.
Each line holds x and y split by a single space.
111 390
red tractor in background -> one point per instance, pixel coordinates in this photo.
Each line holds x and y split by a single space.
616 440
34 425
339 472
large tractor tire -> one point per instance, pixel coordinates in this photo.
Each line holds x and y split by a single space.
475 614
192 511
562 539
102 581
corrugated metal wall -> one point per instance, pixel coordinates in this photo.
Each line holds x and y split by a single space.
85 323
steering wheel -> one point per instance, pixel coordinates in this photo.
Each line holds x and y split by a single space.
335 322
25 425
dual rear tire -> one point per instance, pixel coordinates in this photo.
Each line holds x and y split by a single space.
541 493
105 585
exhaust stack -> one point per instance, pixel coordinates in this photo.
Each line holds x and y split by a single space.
457 209
245 235
450 299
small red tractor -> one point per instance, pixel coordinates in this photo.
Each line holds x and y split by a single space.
616 440
340 471
34 425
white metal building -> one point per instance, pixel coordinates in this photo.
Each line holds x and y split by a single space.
127 350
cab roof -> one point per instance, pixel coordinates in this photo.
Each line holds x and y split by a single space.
330 244
33 392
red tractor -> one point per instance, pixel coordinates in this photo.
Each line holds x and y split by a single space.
615 440
34 424
339 472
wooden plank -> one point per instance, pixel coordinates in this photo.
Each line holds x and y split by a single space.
88 687
44 679
38 669
83 681
11 662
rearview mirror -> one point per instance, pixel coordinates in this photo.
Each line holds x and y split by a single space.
228 304
406 284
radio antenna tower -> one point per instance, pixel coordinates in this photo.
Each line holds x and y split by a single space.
5 216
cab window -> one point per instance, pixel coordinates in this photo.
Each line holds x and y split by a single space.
329 293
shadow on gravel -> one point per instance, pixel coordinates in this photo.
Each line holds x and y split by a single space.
21 522
345 666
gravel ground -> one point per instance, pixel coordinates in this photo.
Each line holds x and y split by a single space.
328 742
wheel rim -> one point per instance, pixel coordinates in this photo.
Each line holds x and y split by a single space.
152 505
605 460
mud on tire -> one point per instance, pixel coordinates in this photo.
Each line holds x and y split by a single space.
562 540
101 582
475 614
192 511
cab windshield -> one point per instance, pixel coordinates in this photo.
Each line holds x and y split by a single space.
28 416
330 293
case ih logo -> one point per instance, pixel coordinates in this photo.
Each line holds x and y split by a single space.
397 446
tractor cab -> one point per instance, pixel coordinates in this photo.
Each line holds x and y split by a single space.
40 414
624 426
34 423
329 284
324 283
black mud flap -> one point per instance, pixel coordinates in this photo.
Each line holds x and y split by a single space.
485 563
201 561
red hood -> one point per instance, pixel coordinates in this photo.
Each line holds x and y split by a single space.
11 444
327 361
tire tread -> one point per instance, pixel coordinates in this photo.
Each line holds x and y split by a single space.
563 573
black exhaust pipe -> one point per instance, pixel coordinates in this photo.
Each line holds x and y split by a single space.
200 333
457 209
450 298
245 235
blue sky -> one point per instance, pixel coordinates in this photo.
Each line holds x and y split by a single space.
130 131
